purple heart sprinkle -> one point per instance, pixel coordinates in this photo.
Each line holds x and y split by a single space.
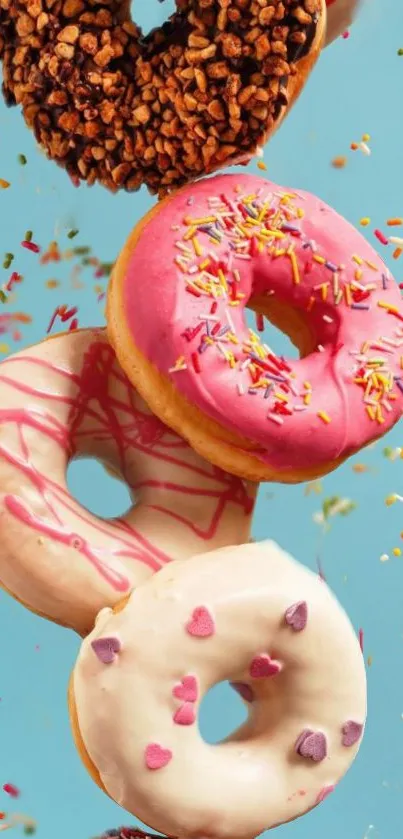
351 732
106 649
296 616
311 744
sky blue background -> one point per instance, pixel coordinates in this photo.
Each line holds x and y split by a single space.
356 88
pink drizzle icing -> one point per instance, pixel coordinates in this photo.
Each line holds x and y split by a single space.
89 396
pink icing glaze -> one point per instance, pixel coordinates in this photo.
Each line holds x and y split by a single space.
68 397
185 313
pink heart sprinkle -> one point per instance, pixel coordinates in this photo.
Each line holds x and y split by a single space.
244 690
296 616
185 715
351 732
156 756
187 689
106 649
262 667
312 744
325 791
201 624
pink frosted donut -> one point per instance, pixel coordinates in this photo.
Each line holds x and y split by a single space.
340 15
176 315
66 398
250 615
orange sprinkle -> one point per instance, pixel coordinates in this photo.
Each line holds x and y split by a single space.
354 146
4 184
347 292
261 165
295 270
193 222
310 304
397 253
394 222
370 412
320 259
339 162
324 289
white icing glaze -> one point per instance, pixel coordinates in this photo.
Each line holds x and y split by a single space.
263 613
68 397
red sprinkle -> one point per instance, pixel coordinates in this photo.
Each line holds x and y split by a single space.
191 290
15 278
12 790
190 333
196 362
73 325
259 322
214 307
381 237
30 246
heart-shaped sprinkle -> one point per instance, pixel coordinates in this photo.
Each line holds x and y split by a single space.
351 732
156 756
187 689
262 667
325 791
296 616
312 744
244 690
185 715
106 649
201 624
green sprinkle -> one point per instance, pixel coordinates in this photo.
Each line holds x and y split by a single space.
8 258
72 234
387 451
29 829
82 251
28 236
3 297
106 268
22 160
400 52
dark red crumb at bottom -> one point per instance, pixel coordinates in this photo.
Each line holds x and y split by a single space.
115 107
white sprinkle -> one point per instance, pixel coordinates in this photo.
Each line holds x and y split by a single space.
396 240
275 418
177 369
320 348
208 317
300 407
241 389
230 321
327 319
384 558
364 148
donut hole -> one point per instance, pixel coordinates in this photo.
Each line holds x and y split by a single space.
150 15
97 489
282 327
221 712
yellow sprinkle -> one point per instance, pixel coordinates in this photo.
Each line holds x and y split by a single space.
4 184
370 412
197 247
190 233
371 265
4 348
324 417
55 283
390 499
307 398
397 552
358 274
387 306
357 259
318 258
379 415
261 165
307 386
366 138
295 270
369 661
347 292
300 212
203 265
364 222
197 221
324 289
281 397
279 252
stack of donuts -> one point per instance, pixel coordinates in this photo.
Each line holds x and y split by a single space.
188 405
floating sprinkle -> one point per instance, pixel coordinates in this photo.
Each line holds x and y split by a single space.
4 184
22 160
381 237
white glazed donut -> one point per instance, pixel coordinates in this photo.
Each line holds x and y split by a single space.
68 397
250 615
